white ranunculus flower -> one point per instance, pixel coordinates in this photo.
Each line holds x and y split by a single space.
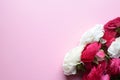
71 59
114 49
92 35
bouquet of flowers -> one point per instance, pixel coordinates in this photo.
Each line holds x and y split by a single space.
97 57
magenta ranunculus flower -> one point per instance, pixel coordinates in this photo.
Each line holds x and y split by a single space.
114 66
97 73
109 36
113 24
110 30
90 51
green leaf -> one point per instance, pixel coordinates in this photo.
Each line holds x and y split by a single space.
107 57
104 48
118 30
80 66
95 61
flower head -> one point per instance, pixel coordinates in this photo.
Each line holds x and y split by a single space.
97 73
90 51
114 66
113 24
114 49
111 30
71 60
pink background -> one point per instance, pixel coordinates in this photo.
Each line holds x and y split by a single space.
36 34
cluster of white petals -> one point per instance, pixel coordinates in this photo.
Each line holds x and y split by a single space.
92 35
72 58
114 49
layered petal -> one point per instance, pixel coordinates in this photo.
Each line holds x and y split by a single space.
97 73
111 28
100 55
105 77
114 49
112 24
114 66
109 37
92 35
72 58
90 51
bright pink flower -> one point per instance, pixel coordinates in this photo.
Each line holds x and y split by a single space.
110 30
105 77
97 73
109 36
100 55
90 51
114 66
113 24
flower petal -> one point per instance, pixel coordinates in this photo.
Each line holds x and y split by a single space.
114 49
72 58
92 35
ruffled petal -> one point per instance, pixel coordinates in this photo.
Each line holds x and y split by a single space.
114 49
92 35
72 58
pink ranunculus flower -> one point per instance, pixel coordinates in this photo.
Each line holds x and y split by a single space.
90 51
110 30
114 66
97 73
105 77
113 24
100 55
